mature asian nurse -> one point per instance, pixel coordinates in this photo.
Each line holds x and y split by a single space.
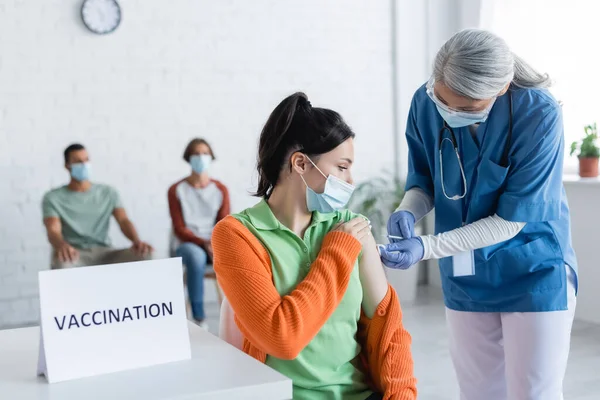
486 147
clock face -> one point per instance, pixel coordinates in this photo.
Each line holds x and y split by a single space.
101 16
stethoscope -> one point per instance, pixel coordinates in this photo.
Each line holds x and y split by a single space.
452 140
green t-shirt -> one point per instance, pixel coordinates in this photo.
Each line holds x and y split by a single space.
85 216
324 368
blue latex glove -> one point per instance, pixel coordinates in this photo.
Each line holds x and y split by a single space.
401 223
402 254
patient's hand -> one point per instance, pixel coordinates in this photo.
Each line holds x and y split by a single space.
67 253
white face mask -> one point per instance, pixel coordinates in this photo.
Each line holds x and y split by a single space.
335 196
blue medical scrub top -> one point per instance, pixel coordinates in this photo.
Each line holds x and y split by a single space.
526 273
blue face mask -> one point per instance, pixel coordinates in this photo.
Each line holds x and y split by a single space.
81 171
200 162
335 196
457 119
461 119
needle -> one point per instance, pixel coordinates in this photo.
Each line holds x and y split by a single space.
395 237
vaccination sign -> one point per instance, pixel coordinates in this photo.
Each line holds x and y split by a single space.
109 318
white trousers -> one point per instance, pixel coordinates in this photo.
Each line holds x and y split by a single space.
511 356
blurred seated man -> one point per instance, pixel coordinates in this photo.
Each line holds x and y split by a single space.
77 218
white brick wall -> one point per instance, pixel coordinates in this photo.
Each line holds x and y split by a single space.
172 70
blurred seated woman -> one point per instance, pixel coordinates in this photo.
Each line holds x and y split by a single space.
196 204
303 275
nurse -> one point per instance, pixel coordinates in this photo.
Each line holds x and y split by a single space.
486 151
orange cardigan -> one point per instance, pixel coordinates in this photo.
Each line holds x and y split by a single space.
283 326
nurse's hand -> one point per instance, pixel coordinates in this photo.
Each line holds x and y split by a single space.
403 254
401 224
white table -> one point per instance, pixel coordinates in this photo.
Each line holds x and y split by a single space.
216 371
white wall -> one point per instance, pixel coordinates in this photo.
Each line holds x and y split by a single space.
584 197
172 70
554 51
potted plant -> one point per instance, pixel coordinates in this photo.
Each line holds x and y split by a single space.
588 152
377 199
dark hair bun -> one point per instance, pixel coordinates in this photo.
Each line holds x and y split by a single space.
303 102
295 125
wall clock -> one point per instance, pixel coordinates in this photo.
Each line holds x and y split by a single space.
101 16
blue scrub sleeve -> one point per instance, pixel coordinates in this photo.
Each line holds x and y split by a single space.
419 173
533 190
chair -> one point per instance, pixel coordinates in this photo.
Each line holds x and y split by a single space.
228 329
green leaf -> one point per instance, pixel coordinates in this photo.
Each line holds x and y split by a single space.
588 147
573 148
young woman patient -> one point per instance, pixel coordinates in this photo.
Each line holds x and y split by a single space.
303 275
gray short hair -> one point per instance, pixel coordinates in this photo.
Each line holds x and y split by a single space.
478 64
